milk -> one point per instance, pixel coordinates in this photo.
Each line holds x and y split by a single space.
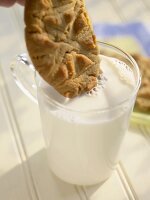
83 135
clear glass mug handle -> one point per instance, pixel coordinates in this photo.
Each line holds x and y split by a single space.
24 75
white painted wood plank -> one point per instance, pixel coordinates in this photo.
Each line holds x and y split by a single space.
9 41
111 189
135 158
13 183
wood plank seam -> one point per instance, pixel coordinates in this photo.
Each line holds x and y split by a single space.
18 139
126 182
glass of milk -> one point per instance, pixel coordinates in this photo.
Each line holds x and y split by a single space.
83 135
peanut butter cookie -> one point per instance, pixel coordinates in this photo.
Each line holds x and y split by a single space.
62 45
143 97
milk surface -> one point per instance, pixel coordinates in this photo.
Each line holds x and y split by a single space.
83 135
114 86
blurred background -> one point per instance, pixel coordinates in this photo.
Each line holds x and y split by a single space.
132 18
116 11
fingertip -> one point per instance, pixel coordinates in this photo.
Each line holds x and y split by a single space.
7 3
21 2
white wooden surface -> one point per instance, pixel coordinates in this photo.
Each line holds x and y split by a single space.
24 173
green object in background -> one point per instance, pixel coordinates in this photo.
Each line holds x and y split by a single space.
141 118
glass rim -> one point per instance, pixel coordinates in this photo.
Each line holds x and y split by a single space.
112 107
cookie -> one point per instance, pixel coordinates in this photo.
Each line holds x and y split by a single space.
62 45
143 96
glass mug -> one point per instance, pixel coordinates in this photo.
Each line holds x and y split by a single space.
82 146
